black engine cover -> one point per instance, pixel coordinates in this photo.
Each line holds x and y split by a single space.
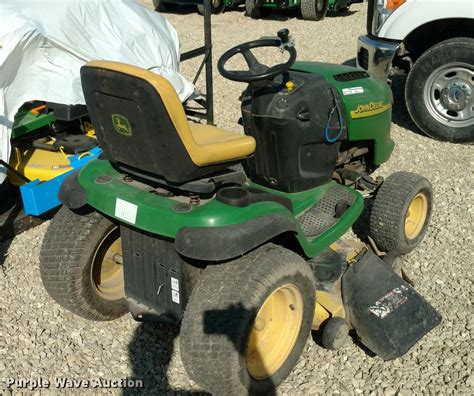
293 151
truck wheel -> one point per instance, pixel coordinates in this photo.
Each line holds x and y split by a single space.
439 92
81 266
247 322
401 212
217 6
314 10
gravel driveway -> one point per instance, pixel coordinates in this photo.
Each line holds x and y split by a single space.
39 339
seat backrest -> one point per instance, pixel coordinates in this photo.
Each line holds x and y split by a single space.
139 121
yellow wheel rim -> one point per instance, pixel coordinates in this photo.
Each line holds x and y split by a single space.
274 332
416 216
107 268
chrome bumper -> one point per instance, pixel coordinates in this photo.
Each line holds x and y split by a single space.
376 55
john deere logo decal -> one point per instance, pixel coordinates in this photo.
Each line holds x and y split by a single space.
370 109
121 125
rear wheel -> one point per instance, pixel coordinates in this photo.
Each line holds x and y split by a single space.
314 10
401 212
159 5
217 6
439 92
81 265
250 318
252 10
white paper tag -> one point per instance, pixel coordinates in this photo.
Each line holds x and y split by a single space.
126 211
353 90
175 296
175 284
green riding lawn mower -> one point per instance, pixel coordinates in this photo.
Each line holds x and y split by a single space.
236 238
313 10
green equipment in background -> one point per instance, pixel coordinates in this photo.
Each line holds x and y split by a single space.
313 10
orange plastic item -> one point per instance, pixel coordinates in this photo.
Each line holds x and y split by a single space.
38 109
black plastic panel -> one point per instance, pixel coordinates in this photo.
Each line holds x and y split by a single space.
293 151
153 276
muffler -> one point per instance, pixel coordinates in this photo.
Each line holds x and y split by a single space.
388 315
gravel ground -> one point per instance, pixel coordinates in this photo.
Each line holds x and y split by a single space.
39 339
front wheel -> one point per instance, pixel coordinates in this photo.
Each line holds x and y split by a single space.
248 320
314 10
252 10
81 265
439 92
401 212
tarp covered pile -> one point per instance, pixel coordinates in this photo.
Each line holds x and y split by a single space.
44 43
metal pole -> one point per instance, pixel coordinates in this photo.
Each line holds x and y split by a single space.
208 45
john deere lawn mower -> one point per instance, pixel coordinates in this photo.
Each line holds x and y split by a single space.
236 238
312 10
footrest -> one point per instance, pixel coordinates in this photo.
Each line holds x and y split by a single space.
326 212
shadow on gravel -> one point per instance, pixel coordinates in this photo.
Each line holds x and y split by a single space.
150 353
361 226
350 62
337 14
400 115
10 207
4 245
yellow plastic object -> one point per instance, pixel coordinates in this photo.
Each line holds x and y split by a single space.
290 85
36 163
274 332
107 268
328 305
205 144
416 216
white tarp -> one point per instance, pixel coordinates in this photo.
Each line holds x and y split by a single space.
44 43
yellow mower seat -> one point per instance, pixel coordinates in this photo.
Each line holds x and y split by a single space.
141 124
218 145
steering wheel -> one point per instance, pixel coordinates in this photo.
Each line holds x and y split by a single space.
258 71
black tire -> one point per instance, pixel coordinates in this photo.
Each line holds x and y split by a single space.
388 225
68 252
427 109
314 10
222 311
217 6
335 333
160 6
252 10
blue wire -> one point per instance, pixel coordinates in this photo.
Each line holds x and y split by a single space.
326 128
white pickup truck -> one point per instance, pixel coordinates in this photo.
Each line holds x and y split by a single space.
433 42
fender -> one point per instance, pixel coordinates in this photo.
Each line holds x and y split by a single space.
224 243
415 13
